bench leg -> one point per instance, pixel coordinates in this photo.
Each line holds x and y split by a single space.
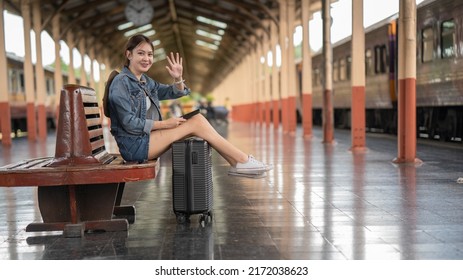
123 211
77 230
90 206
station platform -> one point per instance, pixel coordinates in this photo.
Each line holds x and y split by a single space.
320 202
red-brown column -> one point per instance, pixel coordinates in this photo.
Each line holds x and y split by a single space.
29 74
284 63
5 115
40 73
406 134
358 78
274 103
306 71
328 113
292 78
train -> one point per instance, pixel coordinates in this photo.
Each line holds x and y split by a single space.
439 74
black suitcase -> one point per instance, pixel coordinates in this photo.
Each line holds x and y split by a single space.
192 179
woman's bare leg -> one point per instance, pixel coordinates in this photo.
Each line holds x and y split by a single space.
161 140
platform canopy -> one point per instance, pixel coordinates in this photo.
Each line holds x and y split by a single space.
212 36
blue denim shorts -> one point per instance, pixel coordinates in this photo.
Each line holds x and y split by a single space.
133 148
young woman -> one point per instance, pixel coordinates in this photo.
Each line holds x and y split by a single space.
136 122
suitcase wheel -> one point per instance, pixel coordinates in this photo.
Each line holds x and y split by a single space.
182 218
205 219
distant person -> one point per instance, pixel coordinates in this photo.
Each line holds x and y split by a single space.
136 122
175 109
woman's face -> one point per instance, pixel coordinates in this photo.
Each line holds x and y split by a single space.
141 59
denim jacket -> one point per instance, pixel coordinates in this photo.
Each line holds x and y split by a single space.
127 104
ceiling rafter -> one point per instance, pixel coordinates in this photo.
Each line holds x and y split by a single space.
175 23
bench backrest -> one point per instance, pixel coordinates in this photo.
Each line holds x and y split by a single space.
79 138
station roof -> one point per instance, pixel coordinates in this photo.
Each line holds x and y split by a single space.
212 36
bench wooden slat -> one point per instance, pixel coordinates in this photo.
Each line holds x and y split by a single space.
97 144
29 163
117 161
101 155
92 110
95 132
88 97
93 122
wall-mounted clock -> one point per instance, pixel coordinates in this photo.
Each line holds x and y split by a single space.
140 12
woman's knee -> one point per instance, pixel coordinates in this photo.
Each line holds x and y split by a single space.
199 120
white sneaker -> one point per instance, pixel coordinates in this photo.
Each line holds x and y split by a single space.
252 166
256 175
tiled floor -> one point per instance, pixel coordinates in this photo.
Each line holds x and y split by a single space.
320 202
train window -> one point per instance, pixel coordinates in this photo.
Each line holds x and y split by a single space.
448 38
348 67
21 79
50 86
427 47
342 69
15 81
316 77
335 71
368 63
380 59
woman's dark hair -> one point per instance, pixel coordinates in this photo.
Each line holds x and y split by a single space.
133 42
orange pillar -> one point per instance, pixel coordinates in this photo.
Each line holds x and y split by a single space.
29 73
292 79
82 48
358 78
254 105
284 63
58 75
71 44
275 78
328 112
5 116
260 79
306 71
39 73
406 134
267 95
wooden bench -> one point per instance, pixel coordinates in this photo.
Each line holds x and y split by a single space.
80 188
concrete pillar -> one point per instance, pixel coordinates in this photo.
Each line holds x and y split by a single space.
58 75
306 71
92 70
39 73
256 82
328 112
83 74
29 73
358 78
5 116
406 134
275 77
267 81
292 79
284 63
261 79
71 44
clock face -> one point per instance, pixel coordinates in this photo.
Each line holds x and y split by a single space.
139 12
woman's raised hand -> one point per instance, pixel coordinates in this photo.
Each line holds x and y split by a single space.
175 67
